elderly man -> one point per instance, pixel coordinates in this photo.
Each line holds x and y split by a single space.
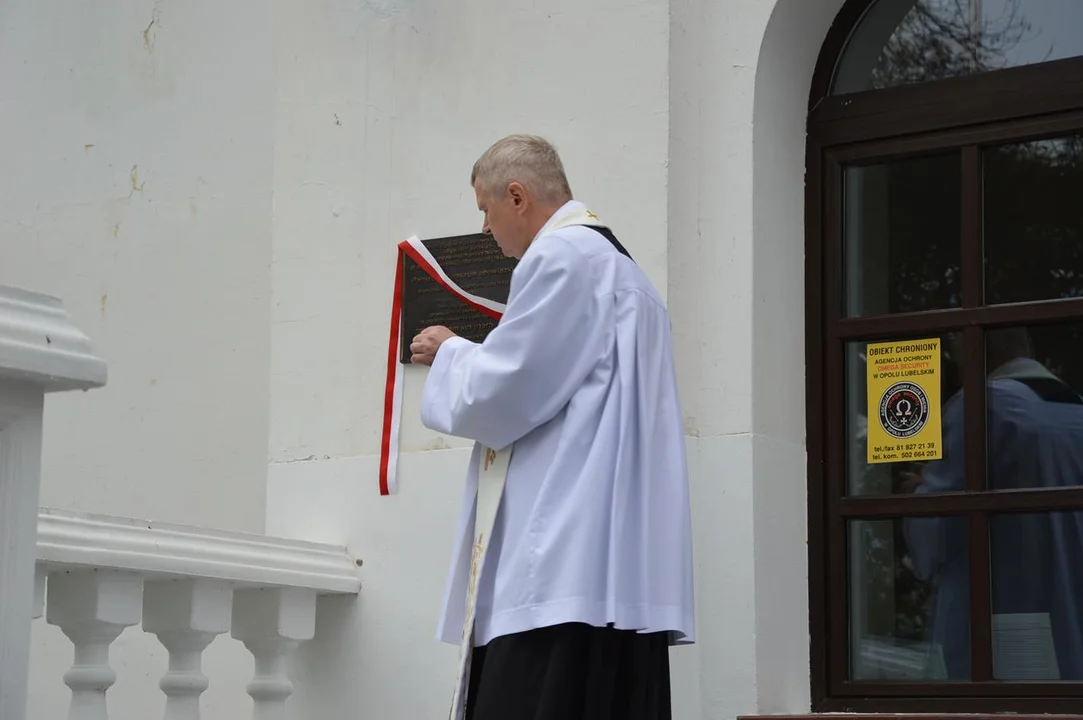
587 579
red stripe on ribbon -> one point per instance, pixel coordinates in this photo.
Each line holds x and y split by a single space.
392 370
417 257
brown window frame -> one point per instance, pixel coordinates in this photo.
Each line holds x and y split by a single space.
1016 104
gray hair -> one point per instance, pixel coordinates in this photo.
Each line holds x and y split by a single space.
527 159
1004 344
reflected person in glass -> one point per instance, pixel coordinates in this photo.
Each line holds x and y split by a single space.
1035 439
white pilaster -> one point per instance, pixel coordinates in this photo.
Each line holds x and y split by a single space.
92 607
20 467
40 351
186 615
40 576
272 623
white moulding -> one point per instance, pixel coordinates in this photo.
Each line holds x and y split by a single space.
158 549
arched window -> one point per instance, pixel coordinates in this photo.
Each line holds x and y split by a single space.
945 357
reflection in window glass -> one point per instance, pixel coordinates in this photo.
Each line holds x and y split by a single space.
1034 416
906 475
1037 583
1034 408
901 229
909 599
1033 220
901 42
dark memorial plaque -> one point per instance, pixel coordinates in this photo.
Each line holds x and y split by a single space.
477 265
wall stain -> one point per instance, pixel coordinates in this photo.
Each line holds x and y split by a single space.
437 443
88 147
105 300
148 36
134 177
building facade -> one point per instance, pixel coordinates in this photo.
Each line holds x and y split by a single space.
216 191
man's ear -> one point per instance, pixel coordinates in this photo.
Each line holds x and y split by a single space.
518 195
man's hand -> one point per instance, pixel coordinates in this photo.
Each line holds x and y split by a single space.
427 343
911 480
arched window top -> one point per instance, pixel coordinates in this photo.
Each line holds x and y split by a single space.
901 42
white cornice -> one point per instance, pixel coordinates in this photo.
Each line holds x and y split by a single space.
40 344
161 549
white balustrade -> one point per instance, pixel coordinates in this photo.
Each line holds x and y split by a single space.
96 576
40 351
187 585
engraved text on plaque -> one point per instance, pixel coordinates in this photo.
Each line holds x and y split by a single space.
476 265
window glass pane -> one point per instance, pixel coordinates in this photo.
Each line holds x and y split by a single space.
1033 219
1033 406
1037 584
900 42
886 451
909 599
901 235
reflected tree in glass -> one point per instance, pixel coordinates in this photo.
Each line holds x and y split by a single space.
1033 220
941 39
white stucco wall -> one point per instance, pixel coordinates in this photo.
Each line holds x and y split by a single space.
135 183
241 291
382 109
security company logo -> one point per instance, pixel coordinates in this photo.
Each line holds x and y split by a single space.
904 410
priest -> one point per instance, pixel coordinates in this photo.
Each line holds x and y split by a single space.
571 575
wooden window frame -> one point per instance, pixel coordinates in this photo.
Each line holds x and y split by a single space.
1012 105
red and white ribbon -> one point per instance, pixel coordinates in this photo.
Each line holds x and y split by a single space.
389 443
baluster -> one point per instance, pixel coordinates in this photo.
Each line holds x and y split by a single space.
186 615
92 607
271 624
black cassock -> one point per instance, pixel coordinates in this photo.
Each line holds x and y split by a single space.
571 672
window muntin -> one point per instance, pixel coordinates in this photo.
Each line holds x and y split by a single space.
909 599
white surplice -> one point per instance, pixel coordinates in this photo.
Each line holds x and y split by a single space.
594 525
